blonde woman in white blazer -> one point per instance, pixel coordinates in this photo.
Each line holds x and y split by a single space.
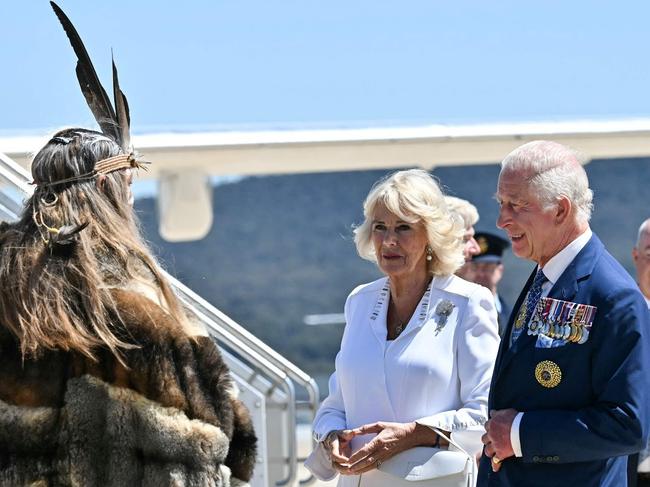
419 344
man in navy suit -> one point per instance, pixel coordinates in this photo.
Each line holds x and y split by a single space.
569 398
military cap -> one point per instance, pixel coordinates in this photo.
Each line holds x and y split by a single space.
491 245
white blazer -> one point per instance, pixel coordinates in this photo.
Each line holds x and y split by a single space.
436 372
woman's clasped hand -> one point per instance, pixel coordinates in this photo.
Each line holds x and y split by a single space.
390 439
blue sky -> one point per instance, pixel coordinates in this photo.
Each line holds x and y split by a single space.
212 65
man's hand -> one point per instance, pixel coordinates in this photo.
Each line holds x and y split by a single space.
497 436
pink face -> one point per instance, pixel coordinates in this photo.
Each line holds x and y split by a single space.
641 255
128 173
400 246
470 246
127 176
466 271
487 274
531 228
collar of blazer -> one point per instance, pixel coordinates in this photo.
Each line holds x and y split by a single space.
440 287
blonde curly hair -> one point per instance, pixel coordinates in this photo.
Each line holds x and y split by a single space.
415 196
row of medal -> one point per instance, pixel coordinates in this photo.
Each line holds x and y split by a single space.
562 320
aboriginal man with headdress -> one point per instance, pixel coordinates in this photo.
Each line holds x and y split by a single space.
104 379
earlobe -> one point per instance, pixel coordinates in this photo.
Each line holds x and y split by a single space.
563 210
100 182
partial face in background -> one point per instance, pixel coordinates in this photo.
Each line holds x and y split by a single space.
487 274
641 256
466 271
470 246
129 174
400 246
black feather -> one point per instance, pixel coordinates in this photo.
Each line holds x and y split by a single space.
66 236
92 89
122 110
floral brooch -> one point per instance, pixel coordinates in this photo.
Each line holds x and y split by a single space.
442 312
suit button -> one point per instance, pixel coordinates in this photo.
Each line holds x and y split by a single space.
536 459
549 459
556 458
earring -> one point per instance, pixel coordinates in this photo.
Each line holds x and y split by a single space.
429 253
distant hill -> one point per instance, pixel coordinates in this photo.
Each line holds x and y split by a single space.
281 246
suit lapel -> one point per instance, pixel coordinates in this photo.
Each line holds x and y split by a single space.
581 267
565 289
377 311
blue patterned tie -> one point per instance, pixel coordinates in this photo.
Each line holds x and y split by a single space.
534 293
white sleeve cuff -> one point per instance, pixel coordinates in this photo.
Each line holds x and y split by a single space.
320 464
514 435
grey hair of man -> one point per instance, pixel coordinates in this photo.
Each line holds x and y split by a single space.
554 171
463 208
644 229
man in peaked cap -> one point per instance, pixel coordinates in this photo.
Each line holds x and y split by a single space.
487 270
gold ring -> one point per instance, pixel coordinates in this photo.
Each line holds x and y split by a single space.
496 460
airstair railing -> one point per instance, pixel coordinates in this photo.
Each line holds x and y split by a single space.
234 335
15 175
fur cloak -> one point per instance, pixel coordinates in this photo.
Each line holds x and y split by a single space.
169 418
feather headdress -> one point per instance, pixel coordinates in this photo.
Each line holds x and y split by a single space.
114 122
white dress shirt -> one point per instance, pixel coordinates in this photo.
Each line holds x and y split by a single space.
497 303
553 269
436 372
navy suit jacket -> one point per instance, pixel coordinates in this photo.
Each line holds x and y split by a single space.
503 316
578 433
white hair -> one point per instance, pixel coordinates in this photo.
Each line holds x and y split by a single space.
554 171
414 196
464 209
644 229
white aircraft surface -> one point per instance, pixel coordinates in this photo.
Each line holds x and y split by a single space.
184 162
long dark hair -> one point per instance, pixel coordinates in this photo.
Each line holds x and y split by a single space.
74 242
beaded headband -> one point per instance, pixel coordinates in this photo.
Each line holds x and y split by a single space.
105 166
114 123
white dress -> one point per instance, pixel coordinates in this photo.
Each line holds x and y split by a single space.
436 372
